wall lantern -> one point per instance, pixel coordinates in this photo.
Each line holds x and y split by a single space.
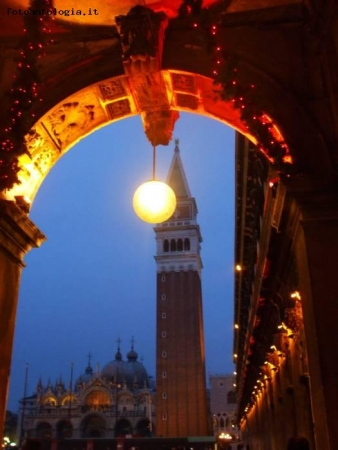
154 201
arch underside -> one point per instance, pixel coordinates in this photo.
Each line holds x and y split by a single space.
155 96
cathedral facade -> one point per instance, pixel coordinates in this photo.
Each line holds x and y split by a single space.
116 401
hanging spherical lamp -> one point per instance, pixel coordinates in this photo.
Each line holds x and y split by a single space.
154 201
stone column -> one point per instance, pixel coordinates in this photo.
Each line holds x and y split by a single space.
315 244
18 235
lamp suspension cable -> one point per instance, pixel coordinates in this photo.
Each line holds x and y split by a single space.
154 161
154 201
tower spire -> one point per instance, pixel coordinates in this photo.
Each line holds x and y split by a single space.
176 177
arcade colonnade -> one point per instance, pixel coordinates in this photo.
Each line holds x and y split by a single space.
286 222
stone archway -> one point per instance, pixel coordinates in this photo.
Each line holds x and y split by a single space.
114 99
123 427
64 429
44 430
93 426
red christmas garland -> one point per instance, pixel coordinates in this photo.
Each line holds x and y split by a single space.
24 92
253 113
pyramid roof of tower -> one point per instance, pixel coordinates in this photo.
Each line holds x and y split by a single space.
176 177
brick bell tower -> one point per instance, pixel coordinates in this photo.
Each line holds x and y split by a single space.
181 405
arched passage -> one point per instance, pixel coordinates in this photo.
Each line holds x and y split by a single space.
312 139
123 427
44 430
93 426
64 429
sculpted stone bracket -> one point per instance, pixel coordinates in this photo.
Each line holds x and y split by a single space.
142 35
18 234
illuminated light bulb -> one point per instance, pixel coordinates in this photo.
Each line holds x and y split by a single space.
235 355
296 295
154 201
236 326
238 267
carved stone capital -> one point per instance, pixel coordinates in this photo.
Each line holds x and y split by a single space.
18 234
142 34
159 126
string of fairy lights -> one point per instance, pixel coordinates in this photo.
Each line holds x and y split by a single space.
24 92
226 72
246 97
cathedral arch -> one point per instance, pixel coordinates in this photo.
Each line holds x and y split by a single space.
49 401
125 399
44 430
180 245
123 427
97 399
93 426
186 244
143 428
64 429
69 400
166 245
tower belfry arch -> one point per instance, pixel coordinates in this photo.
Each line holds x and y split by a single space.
287 49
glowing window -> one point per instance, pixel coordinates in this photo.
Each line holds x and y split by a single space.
97 398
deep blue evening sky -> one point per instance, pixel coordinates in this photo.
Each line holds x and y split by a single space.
94 279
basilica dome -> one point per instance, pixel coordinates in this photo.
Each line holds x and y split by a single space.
131 373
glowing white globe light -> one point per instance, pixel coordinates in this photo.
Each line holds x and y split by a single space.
154 201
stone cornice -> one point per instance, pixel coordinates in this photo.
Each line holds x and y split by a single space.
18 234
